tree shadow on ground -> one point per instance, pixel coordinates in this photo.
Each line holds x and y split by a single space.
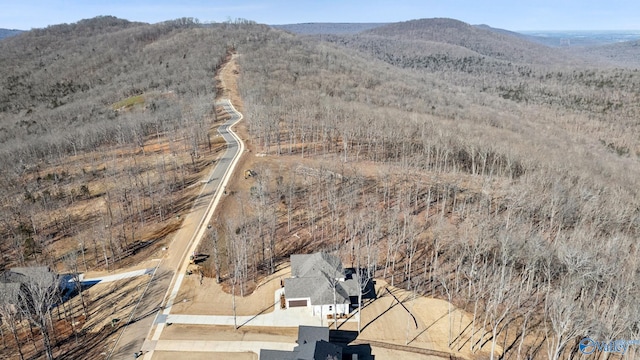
260 313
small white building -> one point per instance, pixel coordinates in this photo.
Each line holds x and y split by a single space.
318 281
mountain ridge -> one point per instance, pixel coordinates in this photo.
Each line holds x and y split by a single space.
326 28
502 45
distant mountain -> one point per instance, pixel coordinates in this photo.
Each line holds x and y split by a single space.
327 28
88 27
498 30
483 40
8 32
581 38
623 54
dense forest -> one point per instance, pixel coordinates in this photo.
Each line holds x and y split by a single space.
450 160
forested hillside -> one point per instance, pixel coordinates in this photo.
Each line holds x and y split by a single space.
453 161
481 172
622 54
327 28
78 104
106 126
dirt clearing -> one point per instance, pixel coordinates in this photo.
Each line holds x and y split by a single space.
196 299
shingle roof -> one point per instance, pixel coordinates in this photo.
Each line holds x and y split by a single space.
266 354
313 264
9 293
11 281
307 334
27 274
312 276
319 350
12 277
313 344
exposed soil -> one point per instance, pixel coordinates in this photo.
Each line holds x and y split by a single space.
199 298
384 320
227 333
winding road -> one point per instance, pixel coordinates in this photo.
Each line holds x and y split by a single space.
147 324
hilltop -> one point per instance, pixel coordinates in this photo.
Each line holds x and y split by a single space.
327 28
503 45
451 160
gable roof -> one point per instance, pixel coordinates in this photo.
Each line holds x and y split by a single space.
312 276
308 265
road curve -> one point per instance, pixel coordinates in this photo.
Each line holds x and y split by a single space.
175 264
216 182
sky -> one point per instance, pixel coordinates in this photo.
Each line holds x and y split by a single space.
515 15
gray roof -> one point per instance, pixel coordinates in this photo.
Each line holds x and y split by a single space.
11 281
313 264
28 274
9 277
307 334
312 276
266 354
31 271
314 344
9 293
319 350
318 289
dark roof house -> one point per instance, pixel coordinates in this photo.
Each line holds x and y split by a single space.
314 344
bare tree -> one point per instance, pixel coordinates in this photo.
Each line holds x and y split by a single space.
10 312
562 321
333 285
213 234
363 278
39 295
71 262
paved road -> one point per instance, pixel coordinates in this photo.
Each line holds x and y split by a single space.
165 282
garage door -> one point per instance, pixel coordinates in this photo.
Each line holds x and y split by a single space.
297 303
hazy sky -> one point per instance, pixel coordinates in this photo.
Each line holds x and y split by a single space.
506 14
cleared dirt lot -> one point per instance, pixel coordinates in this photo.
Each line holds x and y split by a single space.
210 299
385 320
246 333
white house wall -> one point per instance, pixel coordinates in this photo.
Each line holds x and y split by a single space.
323 310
